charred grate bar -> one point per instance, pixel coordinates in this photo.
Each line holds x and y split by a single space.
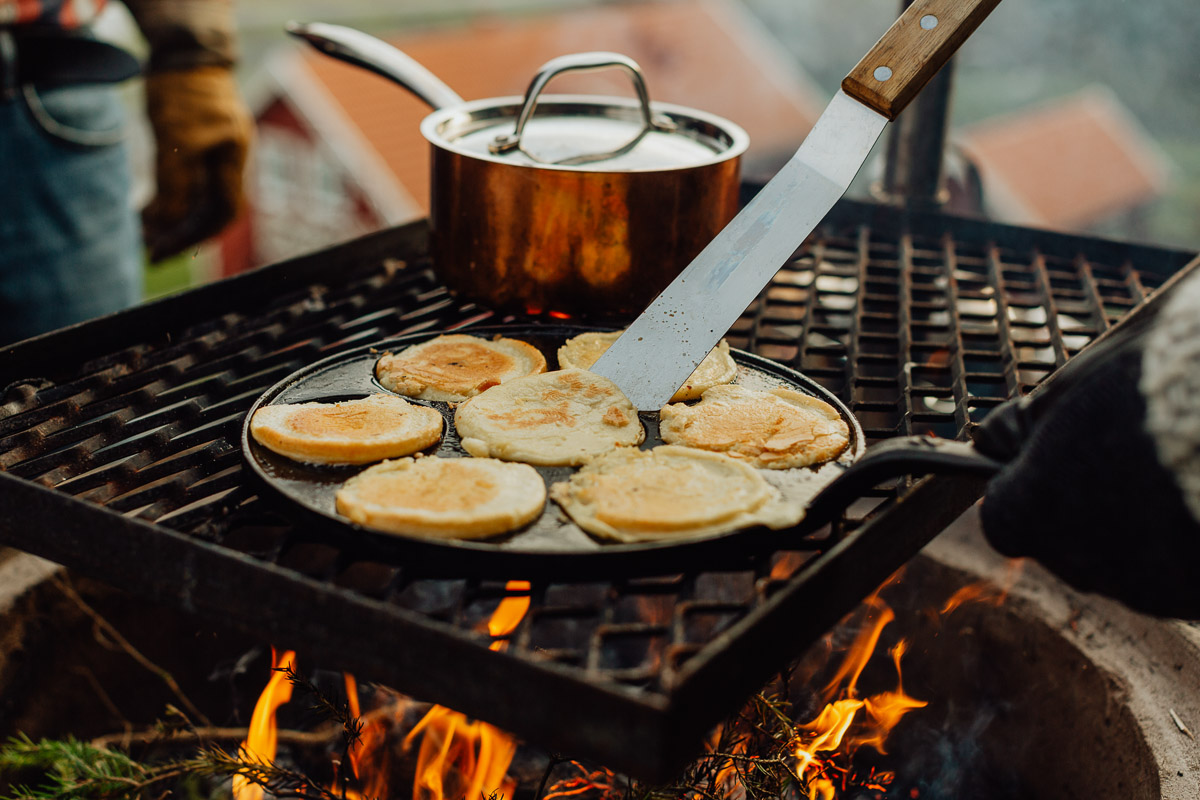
120 457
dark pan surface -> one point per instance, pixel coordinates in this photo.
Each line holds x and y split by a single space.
551 544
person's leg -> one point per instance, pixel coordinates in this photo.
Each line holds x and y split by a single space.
70 240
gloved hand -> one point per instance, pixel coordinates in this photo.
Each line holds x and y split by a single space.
202 131
1088 489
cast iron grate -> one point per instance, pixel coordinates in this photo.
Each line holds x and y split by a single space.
119 446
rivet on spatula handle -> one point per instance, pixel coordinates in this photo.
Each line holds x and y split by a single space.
917 45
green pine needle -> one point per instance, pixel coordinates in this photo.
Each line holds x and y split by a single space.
70 769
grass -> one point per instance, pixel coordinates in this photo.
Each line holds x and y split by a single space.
190 268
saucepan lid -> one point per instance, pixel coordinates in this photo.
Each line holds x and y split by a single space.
586 132
564 132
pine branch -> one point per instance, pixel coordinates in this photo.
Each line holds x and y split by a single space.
752 750
274 779
351 726
71 769
338 712
74 770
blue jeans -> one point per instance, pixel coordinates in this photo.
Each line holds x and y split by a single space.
70 240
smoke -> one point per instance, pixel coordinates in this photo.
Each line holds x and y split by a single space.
955 761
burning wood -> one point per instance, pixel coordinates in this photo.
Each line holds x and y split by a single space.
476 752
773 749
457 758
801 737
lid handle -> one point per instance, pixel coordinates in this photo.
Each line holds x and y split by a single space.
584 62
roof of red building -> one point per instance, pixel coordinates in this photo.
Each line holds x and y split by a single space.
1067 164
705 54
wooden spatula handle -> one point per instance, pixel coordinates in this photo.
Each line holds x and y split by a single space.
912 51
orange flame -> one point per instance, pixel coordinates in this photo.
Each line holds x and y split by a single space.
848 722
986 591
823 748
475 750
509 613
351 695
458 759
369 757
788 564
261 740
600 783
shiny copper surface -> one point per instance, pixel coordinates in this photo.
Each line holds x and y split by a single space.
541 240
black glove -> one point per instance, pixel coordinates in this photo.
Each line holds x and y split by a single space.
1084 490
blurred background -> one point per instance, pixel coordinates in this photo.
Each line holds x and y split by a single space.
1069 115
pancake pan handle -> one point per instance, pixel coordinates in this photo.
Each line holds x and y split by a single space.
892 458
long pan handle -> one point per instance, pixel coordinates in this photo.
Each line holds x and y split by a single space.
912 51
364 50
891 458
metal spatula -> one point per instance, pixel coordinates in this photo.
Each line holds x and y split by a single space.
661 348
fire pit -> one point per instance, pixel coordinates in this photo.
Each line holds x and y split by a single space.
1029 690
121 460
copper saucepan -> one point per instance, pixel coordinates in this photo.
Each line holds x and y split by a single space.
591 205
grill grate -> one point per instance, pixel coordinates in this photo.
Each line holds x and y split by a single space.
121 459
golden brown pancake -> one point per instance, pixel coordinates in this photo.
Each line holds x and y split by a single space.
351 432
557 418
775 429
636 495
457 366
446 498
718 367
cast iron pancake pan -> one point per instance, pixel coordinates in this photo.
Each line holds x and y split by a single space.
551 546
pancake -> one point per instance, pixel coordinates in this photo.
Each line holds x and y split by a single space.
351 432
718 367
457 366
669 492
776 429
558 418
444 498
